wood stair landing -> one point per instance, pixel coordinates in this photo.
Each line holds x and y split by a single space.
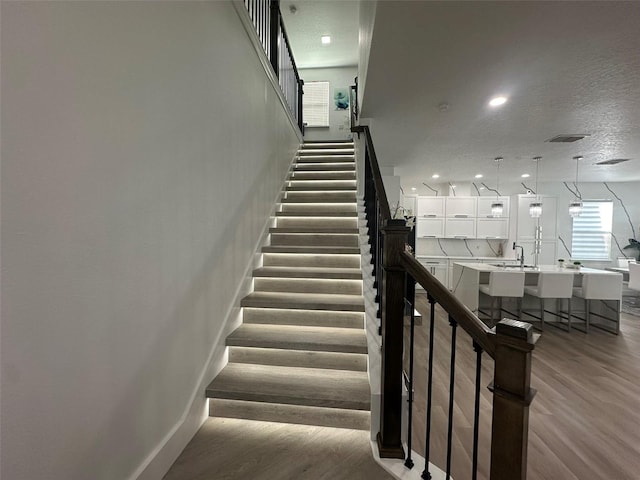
300 354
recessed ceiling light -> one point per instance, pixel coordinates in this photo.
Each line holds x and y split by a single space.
481 188
326 39
453 186
525 175
479 175
435 175
497 101
413 189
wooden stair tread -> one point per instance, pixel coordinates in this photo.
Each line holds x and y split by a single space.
292 385
309 272
310 249
304 301
322 339
316 214
316 230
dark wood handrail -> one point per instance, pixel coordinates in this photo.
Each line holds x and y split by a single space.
477 330
385 211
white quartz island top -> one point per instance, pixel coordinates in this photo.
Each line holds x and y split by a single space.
488 267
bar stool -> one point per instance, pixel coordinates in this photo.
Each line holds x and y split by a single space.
556 285
503 284
600 286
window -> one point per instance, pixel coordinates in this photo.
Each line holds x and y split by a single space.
315 104
591 235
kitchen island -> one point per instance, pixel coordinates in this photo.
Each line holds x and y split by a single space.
468 276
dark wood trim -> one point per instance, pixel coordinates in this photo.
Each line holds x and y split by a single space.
512 396
392 302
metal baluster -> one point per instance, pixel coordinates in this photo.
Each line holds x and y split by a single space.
409 462
452 379
476 413
432 317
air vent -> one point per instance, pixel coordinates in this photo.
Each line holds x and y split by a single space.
613 161
568 138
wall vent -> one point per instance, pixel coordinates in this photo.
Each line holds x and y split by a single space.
613 161
568 138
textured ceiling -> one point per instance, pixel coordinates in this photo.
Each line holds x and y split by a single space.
315 18
567 67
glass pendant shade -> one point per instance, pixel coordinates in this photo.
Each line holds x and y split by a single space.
496 209
535 209
575 208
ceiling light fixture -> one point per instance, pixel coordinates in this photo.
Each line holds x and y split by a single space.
535 207
435 175
413 189
575 207
497 101
525 175
325 39
497 207
479 175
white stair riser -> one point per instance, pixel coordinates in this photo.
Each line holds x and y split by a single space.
299 358
345 240
310 260
317 222
269 412
310 318
300 285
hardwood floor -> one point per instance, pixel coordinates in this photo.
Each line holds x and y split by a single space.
230 449
584 421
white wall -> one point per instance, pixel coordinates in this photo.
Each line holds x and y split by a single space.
339 121
142 150
367 19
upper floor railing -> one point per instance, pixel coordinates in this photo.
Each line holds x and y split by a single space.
267 20
510 343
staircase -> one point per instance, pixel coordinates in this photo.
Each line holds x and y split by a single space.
300 354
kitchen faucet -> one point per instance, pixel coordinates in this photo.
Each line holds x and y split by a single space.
521 258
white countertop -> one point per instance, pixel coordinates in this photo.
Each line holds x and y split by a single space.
462 257
487 267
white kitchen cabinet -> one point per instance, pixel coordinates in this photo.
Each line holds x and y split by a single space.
461 207
430 207
460 228
439 268
492 228
429 227
484 206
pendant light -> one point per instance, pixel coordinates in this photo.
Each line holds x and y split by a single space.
535 208
497 207
575 207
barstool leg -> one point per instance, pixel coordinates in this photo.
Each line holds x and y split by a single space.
586 315
569 315
542 314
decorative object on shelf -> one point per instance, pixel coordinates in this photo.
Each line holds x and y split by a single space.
535 208
575 207
561 263
497 207
575 265
635 246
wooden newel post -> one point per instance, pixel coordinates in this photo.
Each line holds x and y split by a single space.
389 437
512 396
